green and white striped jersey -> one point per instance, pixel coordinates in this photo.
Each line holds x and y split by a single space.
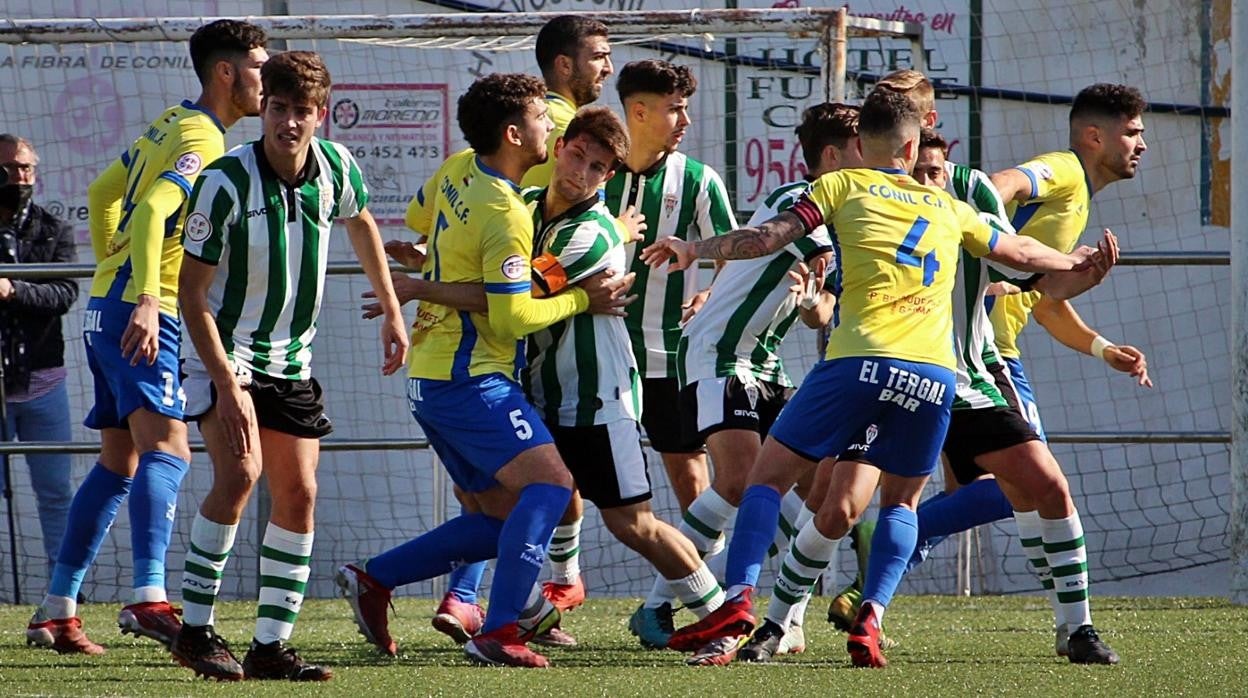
269 241
581 370
681 197
973 340
739 329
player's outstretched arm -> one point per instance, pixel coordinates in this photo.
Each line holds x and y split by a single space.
606 294
366 240
463 295
409 254
1063 323
1090 272
1028 254
104 196
235 411
1012 184
746 243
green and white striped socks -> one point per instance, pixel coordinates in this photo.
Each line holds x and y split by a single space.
699 592
211 543
284 569
1068 565
809 555
564 553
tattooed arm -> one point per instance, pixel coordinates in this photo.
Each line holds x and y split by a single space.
745 243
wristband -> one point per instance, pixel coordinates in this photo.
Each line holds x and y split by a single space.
811 297
1099 345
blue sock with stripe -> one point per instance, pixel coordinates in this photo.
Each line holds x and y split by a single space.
153 510
467 538
91 514
521 550
976 504
755 527
465 578
941 515
896 531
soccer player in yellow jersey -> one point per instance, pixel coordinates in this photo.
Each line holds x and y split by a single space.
131 331
886 388
1050 196
574 55
463 387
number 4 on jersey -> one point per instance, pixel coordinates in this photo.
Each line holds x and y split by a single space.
906 254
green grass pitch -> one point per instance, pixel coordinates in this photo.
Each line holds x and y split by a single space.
950 646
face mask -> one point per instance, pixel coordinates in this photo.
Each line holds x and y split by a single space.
14 197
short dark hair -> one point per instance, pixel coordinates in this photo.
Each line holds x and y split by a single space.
885 113
653 76
931 138
562 36
491 104
1107 100
224 39
830 123
296 75
603 126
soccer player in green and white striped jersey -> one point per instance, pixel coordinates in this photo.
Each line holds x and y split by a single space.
678 196
732 381
581 374
256 238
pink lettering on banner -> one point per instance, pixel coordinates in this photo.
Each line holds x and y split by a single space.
939 22
89 116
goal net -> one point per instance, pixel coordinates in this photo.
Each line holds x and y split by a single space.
82 89
1155 514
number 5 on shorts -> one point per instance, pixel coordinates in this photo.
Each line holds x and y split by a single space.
523 431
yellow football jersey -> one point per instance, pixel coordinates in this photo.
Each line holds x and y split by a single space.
561 111
482 232
897 247
1056 214
174 148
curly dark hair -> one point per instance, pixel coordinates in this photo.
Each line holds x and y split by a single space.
296 75
562 36
653 76
491 104
830 123
224 39
1107 100
602 125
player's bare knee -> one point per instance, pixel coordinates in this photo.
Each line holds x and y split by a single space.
295 497
834 519
551 472
237 481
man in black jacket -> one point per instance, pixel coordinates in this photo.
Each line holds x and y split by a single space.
31 343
